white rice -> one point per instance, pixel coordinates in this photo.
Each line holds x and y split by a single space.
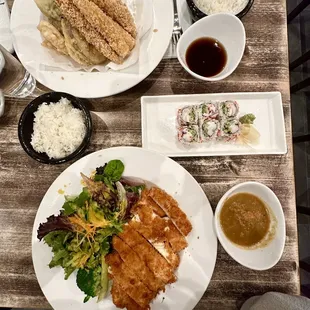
221 6
58 129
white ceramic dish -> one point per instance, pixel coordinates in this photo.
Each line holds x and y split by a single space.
227 29
197 261
26 16
159 124
260 258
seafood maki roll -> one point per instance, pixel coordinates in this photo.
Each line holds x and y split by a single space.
228 109
230 129
210 129
188 116
188 134
208 110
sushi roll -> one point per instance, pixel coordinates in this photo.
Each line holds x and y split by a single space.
188 116
188 134
208 110
228 109
230 129
210 129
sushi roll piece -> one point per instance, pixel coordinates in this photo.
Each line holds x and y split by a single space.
189 134
210 129
230 129
208 110
188 116
228 109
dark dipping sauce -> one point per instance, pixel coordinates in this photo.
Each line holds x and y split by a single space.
206 57
245 219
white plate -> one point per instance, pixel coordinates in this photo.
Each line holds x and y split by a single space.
159 124
26 16
197 261
259 258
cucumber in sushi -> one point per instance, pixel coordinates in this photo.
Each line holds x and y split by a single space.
228 109
188 116
188 134
210 129
208 110
230 129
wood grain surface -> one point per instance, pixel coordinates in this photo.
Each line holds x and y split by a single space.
23 181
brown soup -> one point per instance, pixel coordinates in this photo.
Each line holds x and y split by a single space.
245 219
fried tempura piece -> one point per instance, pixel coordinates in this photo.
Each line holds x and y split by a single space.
71 46
94 56
118 38
119 12
77 20
128 280
56 23
49 45
156 263
122 300
49 8
172 209
132 259
53 36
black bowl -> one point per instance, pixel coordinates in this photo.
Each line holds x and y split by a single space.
196 14
25 127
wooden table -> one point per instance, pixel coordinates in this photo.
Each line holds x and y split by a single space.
23 181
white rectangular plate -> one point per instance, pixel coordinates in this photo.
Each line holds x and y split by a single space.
159 124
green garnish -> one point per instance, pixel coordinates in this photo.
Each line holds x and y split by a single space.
81 235
247 119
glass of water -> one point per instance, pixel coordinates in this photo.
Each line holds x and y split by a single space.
15 81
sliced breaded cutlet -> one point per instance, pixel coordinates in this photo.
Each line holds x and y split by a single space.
146 200
172 209
152 228
161 245
127 279
147 253
157 227
122 300
138 266
118 11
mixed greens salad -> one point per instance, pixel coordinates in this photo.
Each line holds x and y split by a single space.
80 236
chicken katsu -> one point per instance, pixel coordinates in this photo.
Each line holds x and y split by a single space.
149 245
116 233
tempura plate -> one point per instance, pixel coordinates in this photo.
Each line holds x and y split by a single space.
24 21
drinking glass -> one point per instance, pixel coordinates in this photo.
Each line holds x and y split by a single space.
15 81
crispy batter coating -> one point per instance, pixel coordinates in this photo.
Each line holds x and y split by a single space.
91 53
119 12
118 38
128 280
49 45
172 209
49 8
53 36
131 258
77 20
161 226
122 300
56 23
155 262
71 45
